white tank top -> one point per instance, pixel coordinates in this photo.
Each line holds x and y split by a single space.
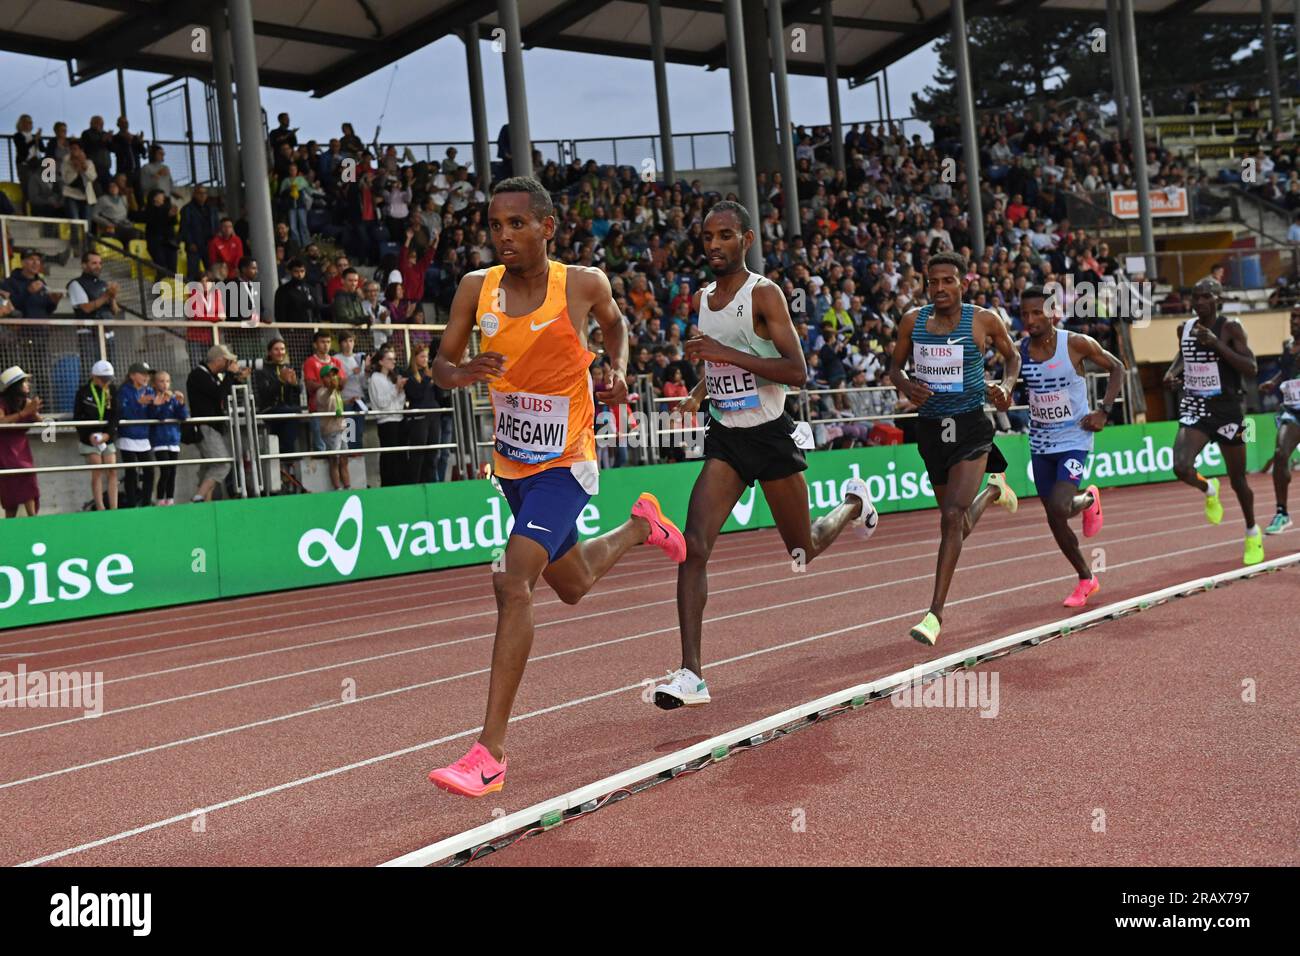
738 398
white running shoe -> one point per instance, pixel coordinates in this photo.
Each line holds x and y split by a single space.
865 523
685 688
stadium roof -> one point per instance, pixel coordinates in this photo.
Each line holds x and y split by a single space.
323 45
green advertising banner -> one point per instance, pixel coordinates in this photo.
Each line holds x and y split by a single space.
68 566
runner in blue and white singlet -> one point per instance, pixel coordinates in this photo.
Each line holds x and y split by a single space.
1061 427
944 345
1287 385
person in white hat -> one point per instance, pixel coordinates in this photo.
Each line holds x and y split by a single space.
17 405
97 401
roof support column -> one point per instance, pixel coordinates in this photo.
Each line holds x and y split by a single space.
1116 45
744 133
661 93
233 188
1133 81
832 85
777 38
521 143
252 148
969 148
478 108
1270 57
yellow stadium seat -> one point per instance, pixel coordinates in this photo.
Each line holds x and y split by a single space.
15 194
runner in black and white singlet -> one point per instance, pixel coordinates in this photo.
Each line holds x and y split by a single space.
1061 426
945 342
1287 384
1212 358
751 353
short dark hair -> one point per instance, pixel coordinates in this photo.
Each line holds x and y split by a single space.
539 202
955 259
226 219
736 209
322 334
296 263
85 256
347 334
1033 292
349 271
246 261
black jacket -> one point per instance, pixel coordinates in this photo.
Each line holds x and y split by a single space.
269 391
85 409
208 394
296 302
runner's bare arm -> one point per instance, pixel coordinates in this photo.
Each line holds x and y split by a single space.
916 392
790 369
1232 346
1276 380
1086 347
1000 394
448 372
1175 371
593 286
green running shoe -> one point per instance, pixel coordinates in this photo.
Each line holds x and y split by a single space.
927 632
1213 506
1254 548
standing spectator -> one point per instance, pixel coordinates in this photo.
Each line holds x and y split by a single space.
320 357
27 145
283 134
377 313
97 402
128 150
110 214
97 143
58 146
78 183
155 174
225 247
209 388
387 394
346 309
138 401
329 398
397 208
160 230
353 364
200 221
296 198
205 304
93 300
17 406
276 391
165 436
421 392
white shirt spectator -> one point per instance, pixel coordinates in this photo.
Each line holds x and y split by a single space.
384 397
85 191
397 203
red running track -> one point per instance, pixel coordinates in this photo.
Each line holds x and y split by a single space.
234 709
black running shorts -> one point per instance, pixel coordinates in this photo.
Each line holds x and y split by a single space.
943 442
764 452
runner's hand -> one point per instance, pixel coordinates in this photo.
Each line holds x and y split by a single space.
1268 387
484 367
615 392
916 392
705 347
687 406
999 395
1094 421
1205 337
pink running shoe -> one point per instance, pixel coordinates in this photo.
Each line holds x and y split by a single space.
1092 515
1084 590
474 775
663 533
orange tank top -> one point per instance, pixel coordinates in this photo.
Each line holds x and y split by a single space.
543 411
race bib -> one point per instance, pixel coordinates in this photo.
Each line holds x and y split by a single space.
1202 379
1050 408
941 367
730 388
530 428
1291 392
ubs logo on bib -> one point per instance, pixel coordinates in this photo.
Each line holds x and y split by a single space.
489 324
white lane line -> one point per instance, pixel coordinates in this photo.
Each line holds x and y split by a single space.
502 826
279 788
896 559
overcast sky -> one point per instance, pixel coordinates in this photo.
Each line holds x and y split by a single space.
598 96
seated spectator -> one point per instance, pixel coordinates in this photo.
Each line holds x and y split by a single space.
111 216
18 405
165 435
97 401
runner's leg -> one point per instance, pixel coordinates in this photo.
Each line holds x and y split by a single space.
788 500
716 491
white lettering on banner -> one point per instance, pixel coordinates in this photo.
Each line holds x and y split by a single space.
1291 392
74 577
1202 379
1050 408
730 387
942 367
531 428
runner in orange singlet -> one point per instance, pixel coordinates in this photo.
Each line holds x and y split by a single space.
531 314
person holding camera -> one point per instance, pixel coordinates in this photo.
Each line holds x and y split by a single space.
17 406
209 387
97 401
